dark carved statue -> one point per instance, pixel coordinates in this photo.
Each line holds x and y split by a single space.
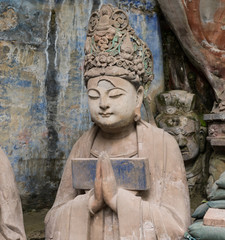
177 117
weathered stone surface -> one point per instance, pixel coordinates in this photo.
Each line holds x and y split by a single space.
8 20
180 73
25 21
43 106
214 117
199 26
214 217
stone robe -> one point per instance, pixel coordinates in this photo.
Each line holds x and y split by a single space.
11 216
161 213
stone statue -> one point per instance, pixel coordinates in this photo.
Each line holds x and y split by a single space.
11 216
118 65
176 116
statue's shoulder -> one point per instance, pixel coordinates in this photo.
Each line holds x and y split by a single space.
3 158
157 132
86 137
89 133
148 127
5 168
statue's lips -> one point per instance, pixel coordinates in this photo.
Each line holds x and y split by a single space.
184 151
105 115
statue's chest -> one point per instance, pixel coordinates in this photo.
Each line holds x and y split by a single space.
116 148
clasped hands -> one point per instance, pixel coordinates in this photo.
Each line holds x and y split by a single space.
105 187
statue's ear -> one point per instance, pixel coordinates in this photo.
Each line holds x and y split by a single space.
139 99
140 96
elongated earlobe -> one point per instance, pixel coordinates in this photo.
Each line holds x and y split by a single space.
137 115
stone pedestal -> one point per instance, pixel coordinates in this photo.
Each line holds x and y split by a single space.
216 131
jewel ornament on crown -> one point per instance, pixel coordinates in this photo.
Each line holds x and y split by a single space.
113 49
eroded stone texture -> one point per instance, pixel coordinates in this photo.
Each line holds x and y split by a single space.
43 102
8 20
181 74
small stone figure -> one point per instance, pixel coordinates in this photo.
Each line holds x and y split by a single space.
118 65
178 118
11 216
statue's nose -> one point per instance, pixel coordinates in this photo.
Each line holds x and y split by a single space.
104 104
182 142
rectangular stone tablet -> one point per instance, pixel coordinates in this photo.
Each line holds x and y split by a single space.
130 173
214 217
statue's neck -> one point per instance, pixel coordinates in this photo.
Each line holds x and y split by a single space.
121 144
118 133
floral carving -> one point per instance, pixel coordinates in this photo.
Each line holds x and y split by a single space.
213 131
93 22
120 20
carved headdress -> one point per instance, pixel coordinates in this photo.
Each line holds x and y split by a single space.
113 49
175 101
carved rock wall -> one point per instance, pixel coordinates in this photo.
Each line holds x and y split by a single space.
43 105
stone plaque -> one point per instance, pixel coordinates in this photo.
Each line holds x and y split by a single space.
130 173
214 217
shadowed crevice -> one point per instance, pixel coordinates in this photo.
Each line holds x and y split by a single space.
52 90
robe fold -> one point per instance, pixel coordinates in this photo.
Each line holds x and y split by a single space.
11 216
160 213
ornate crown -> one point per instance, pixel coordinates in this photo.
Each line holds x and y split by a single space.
112 48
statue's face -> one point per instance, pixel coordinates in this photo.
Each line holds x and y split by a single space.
112 102
185 130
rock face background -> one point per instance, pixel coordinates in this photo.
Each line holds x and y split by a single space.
199 26
43 104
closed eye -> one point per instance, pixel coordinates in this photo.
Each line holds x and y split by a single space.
93 97
116 93
93 94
